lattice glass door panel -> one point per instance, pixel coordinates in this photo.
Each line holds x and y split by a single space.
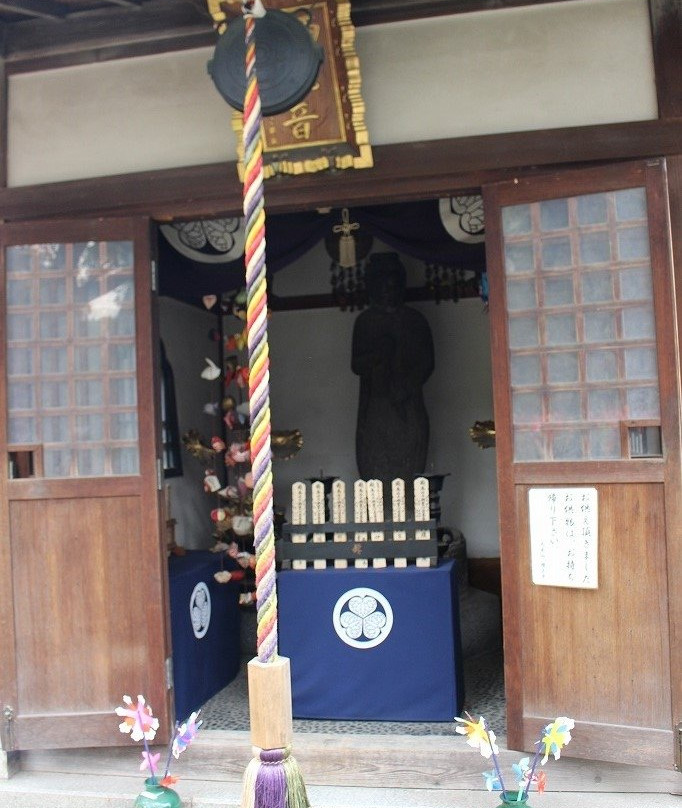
581 329
71 367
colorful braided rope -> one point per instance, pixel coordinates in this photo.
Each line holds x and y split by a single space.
259 363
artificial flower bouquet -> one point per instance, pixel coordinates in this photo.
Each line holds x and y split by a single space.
554 737
140 723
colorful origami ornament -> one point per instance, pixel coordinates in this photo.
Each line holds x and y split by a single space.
211 372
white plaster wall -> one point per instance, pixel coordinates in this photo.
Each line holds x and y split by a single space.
562 64
184 330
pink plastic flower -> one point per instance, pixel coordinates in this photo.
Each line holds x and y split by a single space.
150 761
138 719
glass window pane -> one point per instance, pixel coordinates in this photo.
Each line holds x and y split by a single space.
527 408
18 259
600 326
558 291
57 462
52 291
53 360
88 358
21 395
604 443
643 402
123 392
125 461
516 220
53 325
19 361
592 209
635 284
90 427
560 329
19 326
601 366
123 426
78 329
568 445
556 253
633 243
525 369
521 295
563 368
523 332
19 292
22 430
638 323
56 429
89 393
640 363
51 257
86 327
528 446
582 351
122 356
90 462
604 405
595 248
54 394
117 254
86 289
597 287
565 406
554 214
518 257
630 204
123 325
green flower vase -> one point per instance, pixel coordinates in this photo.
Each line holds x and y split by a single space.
510 798
157 796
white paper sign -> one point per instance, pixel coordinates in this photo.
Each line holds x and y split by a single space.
563 536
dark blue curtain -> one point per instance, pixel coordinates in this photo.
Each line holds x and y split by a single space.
412 228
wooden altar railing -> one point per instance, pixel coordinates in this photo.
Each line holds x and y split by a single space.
369 536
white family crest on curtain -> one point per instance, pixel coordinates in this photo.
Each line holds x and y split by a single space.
463 218
210 241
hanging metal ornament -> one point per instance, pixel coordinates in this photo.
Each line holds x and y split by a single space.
288 60
348 249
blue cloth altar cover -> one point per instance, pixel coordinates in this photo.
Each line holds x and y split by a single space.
413 674
204 627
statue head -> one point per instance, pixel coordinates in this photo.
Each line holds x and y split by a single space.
385 281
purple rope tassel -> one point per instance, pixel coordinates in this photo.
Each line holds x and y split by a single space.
271 783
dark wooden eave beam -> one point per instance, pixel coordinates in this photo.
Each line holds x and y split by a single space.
402 171
159 26
42 9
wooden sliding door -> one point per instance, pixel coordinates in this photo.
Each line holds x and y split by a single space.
82 572
587 414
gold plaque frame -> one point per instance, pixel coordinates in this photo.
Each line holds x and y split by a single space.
327 128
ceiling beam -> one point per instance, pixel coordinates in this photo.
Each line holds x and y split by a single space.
159 26
42 9
401 172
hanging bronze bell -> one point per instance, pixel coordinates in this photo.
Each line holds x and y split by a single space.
287 61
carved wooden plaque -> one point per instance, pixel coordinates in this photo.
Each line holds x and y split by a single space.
327 128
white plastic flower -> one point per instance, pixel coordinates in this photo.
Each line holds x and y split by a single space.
363 618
